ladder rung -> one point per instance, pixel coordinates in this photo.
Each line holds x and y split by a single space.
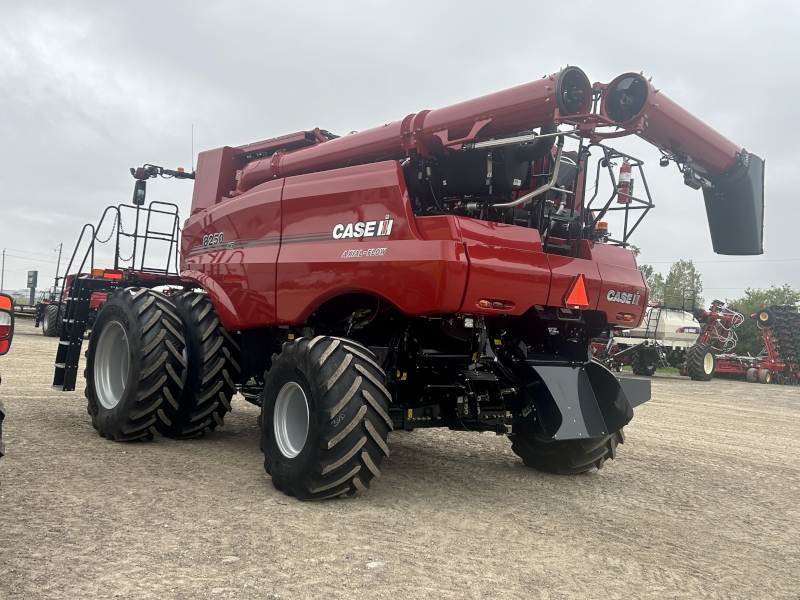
63 343
61 365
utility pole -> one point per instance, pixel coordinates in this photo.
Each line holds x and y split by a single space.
58 267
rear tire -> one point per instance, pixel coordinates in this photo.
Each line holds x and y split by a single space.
700 363
765 317
213 367
134 365
639 366
324 418
50 321
567 457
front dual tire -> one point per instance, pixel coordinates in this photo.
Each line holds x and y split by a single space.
159 364
135 365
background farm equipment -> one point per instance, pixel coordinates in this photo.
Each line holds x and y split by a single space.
444 270
716 340
51 309
779 362
663 339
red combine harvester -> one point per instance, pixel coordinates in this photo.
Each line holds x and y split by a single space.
443 270
779 362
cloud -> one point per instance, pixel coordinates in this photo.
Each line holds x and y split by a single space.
89 89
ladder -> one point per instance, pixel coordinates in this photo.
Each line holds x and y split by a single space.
662 356
73 329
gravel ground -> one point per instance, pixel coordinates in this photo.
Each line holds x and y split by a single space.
702 501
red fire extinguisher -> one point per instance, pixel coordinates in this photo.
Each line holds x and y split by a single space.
625 185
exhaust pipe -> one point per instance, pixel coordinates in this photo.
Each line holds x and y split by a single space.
732 179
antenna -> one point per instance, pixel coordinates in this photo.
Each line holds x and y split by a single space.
192 161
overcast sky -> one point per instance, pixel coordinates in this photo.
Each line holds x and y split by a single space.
89 89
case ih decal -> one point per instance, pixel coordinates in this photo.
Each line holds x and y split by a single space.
623 297
364 229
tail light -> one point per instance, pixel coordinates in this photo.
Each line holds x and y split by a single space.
6 322
107 273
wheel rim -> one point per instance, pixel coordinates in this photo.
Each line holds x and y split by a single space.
111 364
708 363
291 419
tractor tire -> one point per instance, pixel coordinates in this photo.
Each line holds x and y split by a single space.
765 317
324 418
134 365
567 457
639 366
764 376
752 375
50 326
700 363
213 359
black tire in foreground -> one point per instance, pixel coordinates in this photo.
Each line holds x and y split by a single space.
50 326
700 362
567 457
213 367
324 418
639 364
134 365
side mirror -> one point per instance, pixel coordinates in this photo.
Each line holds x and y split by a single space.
139 192
6 322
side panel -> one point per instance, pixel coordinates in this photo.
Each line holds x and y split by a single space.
623 292
325 252
565 270
624 289
214 177
242 263
506 265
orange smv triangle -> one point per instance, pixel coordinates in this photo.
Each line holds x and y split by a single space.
577 297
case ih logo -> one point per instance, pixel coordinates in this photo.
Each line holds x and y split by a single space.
622 297
363 229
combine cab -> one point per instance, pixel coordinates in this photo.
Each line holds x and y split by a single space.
447 269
